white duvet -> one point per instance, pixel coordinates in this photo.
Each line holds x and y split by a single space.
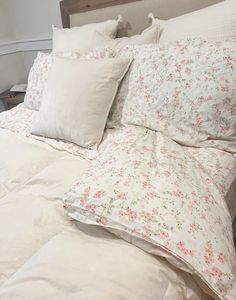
46 255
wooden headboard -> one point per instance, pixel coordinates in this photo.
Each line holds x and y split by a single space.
134 12
69 7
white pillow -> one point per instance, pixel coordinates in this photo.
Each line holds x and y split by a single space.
42 65
77 98
216 22
83 38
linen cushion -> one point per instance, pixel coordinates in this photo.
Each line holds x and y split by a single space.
186 90
83 38
77 99
216 22
41 67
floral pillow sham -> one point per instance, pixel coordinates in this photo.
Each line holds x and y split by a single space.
42 65
153 193
185 89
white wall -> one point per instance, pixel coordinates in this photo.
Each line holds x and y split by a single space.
24 20
6 28
34 18
12 69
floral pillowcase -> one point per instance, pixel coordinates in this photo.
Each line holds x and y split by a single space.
41 68
185 89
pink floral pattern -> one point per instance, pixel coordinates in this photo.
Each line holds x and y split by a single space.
219 165
41 68
147 186
184 89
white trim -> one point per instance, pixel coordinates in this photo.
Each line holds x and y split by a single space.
25 45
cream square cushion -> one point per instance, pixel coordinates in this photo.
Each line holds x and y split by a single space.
77 98
38 74
216 22
83 38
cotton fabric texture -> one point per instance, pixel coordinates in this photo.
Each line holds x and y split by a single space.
216 22
77 99
83 38
154 194
42 242
38 74
184 89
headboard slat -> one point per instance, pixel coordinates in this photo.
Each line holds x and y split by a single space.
69 7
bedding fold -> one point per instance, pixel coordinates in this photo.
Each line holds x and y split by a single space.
46 255
151 188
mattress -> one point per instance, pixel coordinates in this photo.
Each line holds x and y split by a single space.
46 255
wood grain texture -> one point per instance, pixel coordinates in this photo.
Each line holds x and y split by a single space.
69 7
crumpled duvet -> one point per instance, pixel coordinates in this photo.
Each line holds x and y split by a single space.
149 188
44 254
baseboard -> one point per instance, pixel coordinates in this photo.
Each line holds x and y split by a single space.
25 45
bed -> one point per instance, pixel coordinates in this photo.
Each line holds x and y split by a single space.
47 254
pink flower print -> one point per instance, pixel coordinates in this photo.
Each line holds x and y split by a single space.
221 258
99 194
209 254
229 61
90 207
183 49
182 247
187 85
141 78
216 272
170 77
102 221
147 185
232 110
147 216
148 98
178 68
209 98
176 93
206 198
188 70
200 99
137 163
194 227
155 211
130 214
167 173
121 196
198 121
163 235
227 100
178 194
225 88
